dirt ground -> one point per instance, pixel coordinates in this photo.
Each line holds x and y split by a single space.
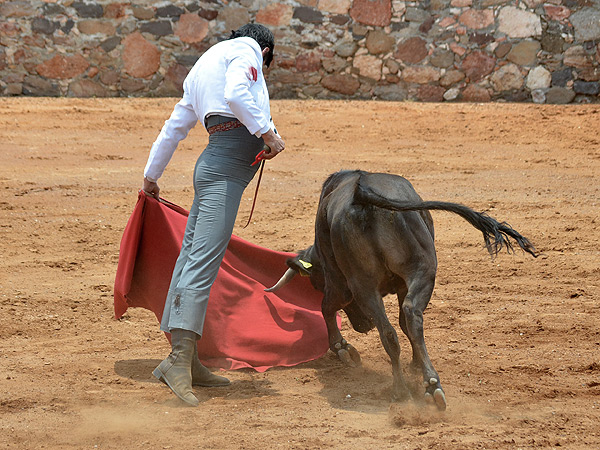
516 340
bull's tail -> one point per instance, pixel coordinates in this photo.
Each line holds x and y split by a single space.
495 234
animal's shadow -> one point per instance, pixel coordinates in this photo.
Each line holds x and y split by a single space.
359 388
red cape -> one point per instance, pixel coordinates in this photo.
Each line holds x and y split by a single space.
245 327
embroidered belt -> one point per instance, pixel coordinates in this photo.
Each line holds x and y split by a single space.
225 126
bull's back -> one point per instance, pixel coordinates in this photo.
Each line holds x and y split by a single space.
338 195
370 240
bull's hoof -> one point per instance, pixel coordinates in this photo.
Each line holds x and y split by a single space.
347 354
434 395
440 399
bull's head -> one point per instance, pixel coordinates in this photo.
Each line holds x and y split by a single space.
306 264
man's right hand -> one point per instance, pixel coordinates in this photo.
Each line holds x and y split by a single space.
275 143
151 188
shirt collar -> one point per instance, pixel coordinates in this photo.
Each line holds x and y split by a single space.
252 43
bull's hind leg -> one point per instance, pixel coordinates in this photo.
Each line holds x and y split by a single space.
416 362
416 300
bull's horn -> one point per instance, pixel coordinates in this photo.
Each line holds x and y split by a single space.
285 279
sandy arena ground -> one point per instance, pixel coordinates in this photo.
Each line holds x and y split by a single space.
516 340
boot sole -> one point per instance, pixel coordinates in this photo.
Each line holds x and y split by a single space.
161 377
212 385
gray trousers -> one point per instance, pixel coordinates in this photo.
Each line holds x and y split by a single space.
222 172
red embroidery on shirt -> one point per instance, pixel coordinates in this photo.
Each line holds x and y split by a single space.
253 73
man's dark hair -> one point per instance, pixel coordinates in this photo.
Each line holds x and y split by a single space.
260 34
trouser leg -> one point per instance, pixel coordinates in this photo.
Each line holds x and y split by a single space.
209 230
186 248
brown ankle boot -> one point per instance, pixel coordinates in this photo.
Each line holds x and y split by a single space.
201 376
176 370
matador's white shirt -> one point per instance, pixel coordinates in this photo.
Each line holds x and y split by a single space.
227 80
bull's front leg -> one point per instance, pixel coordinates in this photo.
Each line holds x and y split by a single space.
373 306
346 352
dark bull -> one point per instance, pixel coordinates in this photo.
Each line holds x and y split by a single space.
374 236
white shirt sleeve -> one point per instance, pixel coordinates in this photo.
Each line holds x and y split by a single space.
272 125
182 120
238 79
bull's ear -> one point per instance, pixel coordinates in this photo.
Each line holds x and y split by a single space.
302 266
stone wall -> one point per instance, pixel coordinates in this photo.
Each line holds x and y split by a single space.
546 51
